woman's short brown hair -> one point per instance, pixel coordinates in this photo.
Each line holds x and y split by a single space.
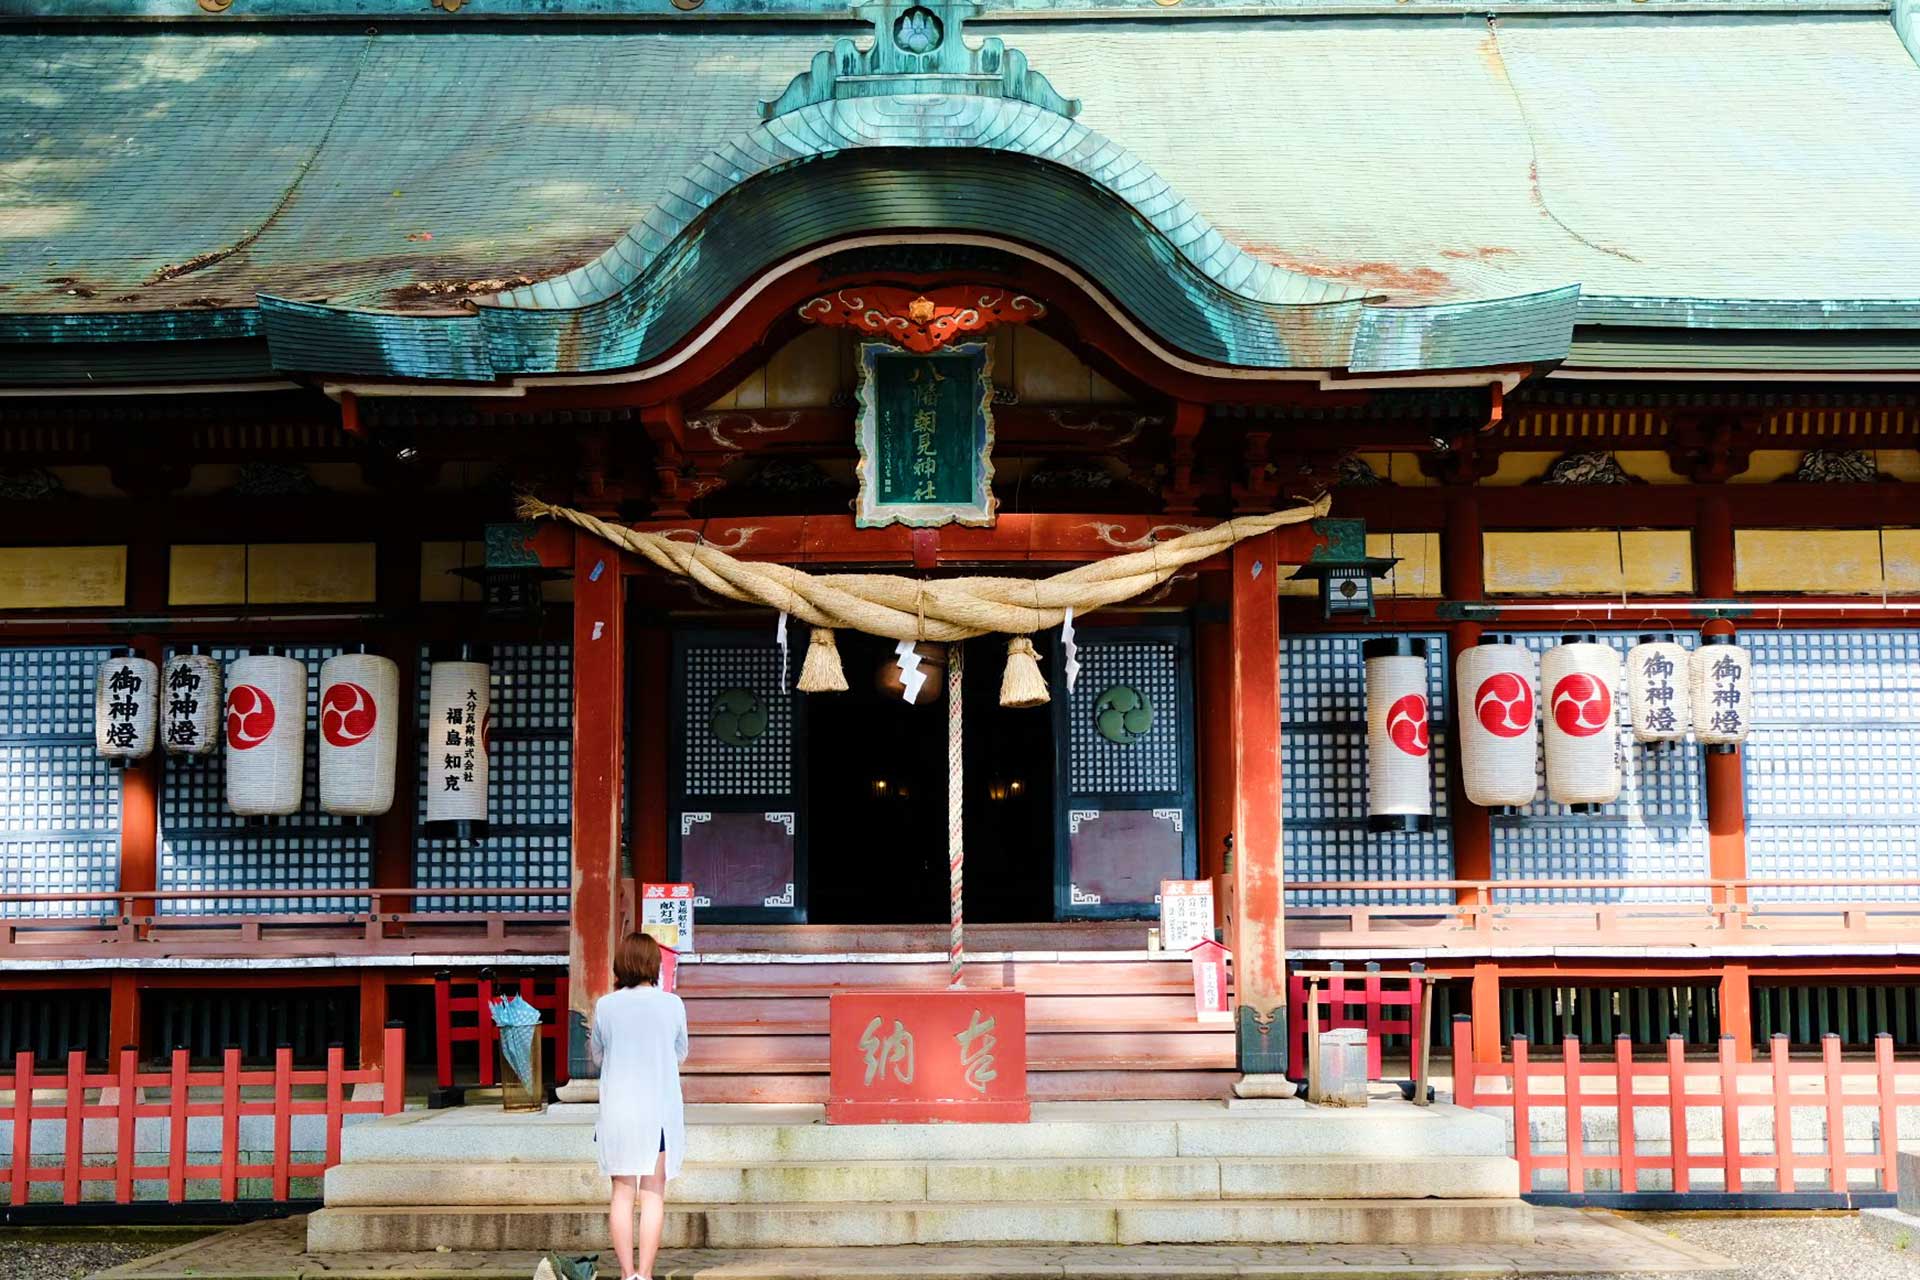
636 963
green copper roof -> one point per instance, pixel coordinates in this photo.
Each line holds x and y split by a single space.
1464 177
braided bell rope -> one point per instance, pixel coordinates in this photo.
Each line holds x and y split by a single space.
942 610
956 823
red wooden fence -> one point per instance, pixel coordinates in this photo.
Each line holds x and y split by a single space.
180 1107
1384 1010
473 1026
1622 1085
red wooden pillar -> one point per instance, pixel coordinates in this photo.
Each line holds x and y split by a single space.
1465 581
1259 941
1213 675
398 588
599 693
1486 1012
1726 788
1736 1010
373 1018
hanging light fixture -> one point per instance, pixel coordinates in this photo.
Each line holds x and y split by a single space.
125 707
1399 737
1494 685
266 734
458 728
1658 688
359 732
1722 692
1578 678
191 705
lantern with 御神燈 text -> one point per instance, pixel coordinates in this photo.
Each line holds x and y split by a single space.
125 707
1578 679
1722 692
1499 732
1659 688
192 705
458 706
359 693
266 735
1399 738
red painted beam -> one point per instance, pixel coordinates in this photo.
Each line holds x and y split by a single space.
599 693
1259 945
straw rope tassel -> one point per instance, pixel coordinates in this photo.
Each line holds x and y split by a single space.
956 822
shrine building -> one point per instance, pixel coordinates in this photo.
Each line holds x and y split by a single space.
1433 487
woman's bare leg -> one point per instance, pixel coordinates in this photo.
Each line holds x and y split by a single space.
653 1213
620 1224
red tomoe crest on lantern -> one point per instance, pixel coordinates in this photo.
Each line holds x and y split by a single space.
1504 704
1582 705
1407 724
347 714
249 717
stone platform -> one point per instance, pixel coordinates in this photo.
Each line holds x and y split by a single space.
760 1177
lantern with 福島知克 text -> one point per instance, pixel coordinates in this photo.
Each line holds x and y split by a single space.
1722 692
1399 735
1578 679
359 731
1659 688
266 735
458 726
1499 731
125 707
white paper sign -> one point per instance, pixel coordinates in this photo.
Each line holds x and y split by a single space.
1186 914
666 915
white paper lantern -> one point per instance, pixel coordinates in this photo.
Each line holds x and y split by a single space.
1580 677
1722 692
126 695
456 746
359 733
1399 738
1659 688
266 735
1499 728
192 706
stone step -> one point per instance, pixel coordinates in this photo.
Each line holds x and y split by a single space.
1179 1178
1086 1131
735 1226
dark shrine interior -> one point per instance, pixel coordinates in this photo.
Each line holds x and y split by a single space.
877 797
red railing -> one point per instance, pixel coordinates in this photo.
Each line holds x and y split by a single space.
229 1106
1623 1086
1388 1004
460 1017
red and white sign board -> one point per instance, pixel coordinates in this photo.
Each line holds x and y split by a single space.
666 915
1210 982
923 1057
1186 914
669 967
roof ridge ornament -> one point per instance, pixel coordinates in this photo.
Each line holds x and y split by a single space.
918 49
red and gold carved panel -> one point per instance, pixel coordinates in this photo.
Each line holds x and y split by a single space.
922 322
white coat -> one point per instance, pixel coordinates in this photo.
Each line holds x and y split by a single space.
639 1041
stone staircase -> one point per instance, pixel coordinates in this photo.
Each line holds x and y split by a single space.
1080 1173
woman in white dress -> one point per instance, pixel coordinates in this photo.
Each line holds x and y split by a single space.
639 1041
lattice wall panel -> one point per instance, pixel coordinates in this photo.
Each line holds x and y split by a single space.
59 799
529 786
205 845
1151 764
1830 778
743 760
1657 829
1323 749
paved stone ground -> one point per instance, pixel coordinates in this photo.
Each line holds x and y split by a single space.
70 1255
1571 1243
1785 1247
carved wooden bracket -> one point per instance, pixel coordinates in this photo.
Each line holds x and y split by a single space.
922 322
1710 448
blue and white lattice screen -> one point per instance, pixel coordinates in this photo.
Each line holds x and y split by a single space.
1830 762
1323 770
1657 829
59 798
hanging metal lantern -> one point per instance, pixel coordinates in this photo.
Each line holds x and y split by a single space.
192 705
1399 737
1579 678
266 735
1722 692
359 732
456 746
1659 688
126 692
1499 730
